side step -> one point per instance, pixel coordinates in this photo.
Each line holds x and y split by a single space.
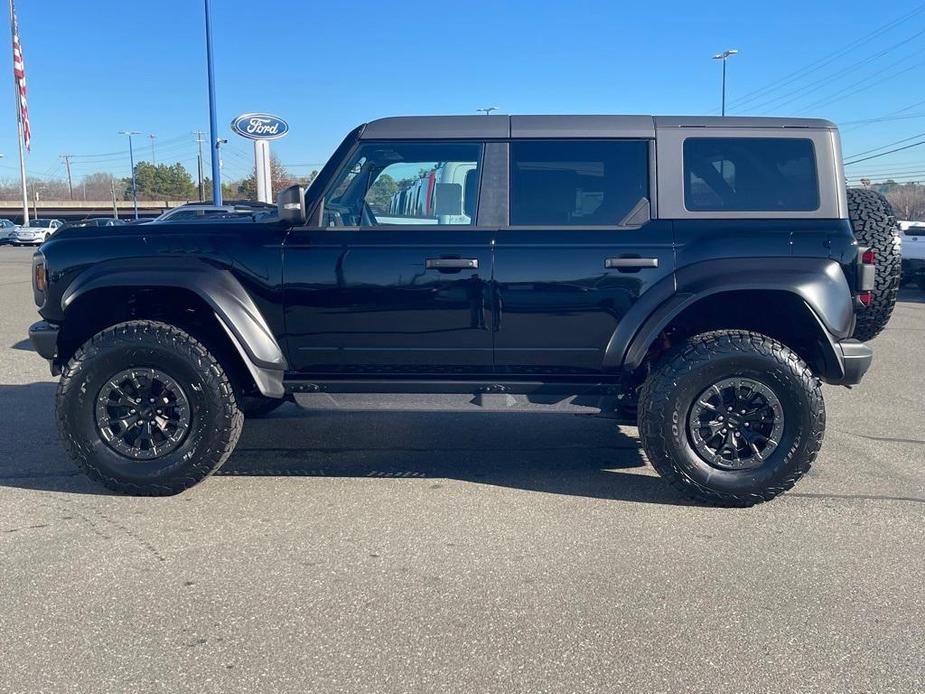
459 396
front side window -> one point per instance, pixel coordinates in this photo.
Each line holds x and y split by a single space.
421 183
754 174
578 183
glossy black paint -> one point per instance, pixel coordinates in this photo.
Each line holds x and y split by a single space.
557 303
540 306
364 301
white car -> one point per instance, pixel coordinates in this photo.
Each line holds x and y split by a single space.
38 232
913 254
6 230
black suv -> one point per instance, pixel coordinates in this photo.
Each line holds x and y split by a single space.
700 273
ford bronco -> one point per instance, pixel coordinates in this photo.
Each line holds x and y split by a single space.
702 274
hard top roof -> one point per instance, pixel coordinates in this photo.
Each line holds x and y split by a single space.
589 126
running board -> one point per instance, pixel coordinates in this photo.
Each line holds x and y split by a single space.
456 396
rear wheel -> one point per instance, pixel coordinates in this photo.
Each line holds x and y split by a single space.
144 408
875 226
733 418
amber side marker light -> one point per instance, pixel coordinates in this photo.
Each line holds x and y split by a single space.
39 277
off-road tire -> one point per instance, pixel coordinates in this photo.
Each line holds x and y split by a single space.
875 226
256 406
215 420
681 376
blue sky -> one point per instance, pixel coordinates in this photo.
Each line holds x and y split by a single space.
100 66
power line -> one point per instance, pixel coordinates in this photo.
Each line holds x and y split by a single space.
805 89
883 154
825 60
888 144
877 81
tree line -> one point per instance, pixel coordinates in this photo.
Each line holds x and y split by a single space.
907 199
154 182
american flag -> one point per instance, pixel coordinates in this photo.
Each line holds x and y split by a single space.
19 72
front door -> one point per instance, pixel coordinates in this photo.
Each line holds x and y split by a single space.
396 280
580 249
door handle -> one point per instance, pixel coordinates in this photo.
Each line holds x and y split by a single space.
623 263
452 264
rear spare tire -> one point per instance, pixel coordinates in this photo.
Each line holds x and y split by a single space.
875 227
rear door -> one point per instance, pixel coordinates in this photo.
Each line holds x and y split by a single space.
580 248
396 278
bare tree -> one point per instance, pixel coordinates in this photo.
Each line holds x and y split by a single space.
908 201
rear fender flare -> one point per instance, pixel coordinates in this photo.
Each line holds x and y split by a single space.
819 282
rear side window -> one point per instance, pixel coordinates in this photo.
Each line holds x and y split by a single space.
578 183
750 175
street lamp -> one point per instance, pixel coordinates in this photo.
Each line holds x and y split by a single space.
213 120
487 110
131 158
724 56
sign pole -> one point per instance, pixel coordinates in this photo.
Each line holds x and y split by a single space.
263 174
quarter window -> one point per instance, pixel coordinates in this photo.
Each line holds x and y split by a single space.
750 175
419 183
578 183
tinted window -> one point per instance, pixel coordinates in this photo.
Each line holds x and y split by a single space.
750 174
406 183
577 183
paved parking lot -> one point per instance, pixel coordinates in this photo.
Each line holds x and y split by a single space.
462 553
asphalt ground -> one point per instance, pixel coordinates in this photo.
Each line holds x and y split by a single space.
463 552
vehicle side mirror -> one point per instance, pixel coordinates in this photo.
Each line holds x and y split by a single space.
291 205
447 199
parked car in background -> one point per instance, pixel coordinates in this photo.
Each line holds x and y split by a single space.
94 222
38 231
913 237
196 212
6 230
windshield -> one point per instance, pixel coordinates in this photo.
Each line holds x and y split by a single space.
40 223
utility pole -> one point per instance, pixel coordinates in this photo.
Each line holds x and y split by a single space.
67 165
724 56
35 201
213 118
112 189
153 156
199 141
131 159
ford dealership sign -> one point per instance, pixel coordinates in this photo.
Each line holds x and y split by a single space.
260 126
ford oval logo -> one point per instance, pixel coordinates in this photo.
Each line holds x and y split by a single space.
260 126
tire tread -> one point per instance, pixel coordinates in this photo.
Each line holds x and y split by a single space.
655 399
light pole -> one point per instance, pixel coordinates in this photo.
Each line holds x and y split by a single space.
131 158
487 110
724 56
213 120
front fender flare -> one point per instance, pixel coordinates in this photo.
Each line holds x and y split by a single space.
233 306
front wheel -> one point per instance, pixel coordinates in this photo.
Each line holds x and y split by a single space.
144 408
733 418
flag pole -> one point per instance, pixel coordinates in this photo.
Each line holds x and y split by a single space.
18 102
